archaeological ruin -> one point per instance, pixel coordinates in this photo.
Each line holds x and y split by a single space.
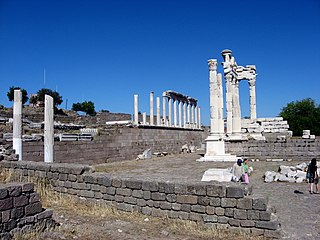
65 149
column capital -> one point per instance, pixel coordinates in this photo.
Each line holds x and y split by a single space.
212 63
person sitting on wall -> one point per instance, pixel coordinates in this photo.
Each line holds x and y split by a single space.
237 171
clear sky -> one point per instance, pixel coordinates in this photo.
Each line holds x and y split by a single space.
107 51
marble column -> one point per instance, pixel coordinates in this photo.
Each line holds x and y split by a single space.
48 129
199 118
175 112
188 114
236 123
144 118
192 115
151 108
164 111
136 113
184 114
180 113
158 112
17 123
220 105
213 88
170 112
228 79
252 87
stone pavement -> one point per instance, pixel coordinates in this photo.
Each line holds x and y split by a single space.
298 213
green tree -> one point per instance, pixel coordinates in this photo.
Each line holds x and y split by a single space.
57 99
24 93
302 115
87 107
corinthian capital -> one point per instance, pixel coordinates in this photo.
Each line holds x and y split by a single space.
212 63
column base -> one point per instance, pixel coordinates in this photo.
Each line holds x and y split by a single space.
215 151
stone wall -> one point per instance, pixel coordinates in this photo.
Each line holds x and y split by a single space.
117 143
292 148
217 205
21 210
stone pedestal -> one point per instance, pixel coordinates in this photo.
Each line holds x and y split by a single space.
215 151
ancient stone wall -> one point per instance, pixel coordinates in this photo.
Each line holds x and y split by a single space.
21 210
115 144
217 205
292 148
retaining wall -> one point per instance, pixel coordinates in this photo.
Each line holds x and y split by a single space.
21 210
115 144
217 205
293 148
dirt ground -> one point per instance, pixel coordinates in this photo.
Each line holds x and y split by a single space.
297 210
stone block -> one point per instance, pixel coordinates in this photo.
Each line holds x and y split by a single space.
210 218
133 184
80 186
20 201
146 195
158 196
90 178
47 213
210 210
271 225
228 202
17 213
72 177
5 216
3 192
216 190
98 195
130 200
86 193
188 199
6 203
111 190
205 201
27 187
247 223
183 215
14 189
137 193
198 189
234 222
104 180
244 203
159 213
149 186
219 211
180 188
223 219
260 204
95 187
253 214
150 203
108 197
265 215
185 207
216 202
196 217
72 191
165 205
11 224
235 192
116 182
63 176
118 198
240 214
198 208
141 202
124 191
229 212
125 207
176 206
256 232
33 209
171 198
146 210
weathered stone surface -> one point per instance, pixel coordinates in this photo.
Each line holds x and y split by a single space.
210 218
244 203
219 211
216 190
124 191
228 202
20 201
240 214
6 204
216 202
235 192
271 225
198 209
33 209
189 199
259 204
133 184
149 186
158 196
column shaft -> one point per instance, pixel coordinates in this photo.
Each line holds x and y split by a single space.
151 109
48 129
136 113
17 123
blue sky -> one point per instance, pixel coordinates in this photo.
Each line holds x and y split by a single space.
107 51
